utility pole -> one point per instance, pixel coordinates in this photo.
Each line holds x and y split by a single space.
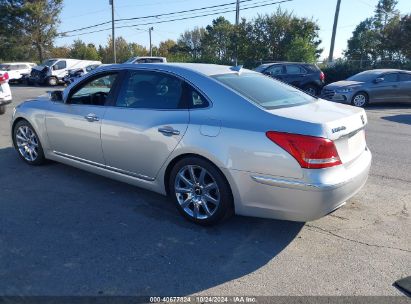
149 33
113 37
237 21
337 13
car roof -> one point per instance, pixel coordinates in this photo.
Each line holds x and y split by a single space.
381 71
200 68
11 63
287 62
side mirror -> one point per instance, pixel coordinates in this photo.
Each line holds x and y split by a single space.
378 80
56 96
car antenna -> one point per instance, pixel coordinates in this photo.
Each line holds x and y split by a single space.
237 68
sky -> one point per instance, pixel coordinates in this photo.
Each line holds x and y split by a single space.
81 13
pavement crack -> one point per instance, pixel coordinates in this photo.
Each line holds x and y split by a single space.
322 230
392 178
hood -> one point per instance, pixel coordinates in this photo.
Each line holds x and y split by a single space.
343 84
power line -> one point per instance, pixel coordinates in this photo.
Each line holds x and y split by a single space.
153 16
182 18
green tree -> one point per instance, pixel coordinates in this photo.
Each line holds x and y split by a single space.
165 47
137 49
189 44
80 50
40 19
217 45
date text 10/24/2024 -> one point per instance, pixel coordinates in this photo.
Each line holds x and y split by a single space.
203 299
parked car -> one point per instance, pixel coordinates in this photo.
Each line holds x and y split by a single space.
384 85
305 76
146 59
16 70
74 74
5 92
218 140
52 71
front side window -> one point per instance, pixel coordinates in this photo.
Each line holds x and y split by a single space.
95 91
151 90
405 77
275 70
390 77
60 65
265 91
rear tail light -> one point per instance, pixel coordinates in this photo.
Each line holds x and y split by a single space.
4 77
310 152
322 76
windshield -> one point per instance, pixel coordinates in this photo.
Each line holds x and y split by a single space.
364 77
265 91
48 62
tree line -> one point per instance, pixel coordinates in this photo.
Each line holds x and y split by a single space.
28 30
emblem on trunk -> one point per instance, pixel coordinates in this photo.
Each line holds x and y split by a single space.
342 128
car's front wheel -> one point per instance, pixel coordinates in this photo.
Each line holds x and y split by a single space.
360 100
200 191
27 143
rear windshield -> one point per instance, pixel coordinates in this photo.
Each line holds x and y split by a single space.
265 91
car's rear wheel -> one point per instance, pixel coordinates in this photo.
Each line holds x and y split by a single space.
2 110
200 191
311 89
360 100
27 143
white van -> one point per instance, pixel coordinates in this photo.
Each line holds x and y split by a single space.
52 71
16 70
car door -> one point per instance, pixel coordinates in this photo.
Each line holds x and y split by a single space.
294 75
385 88
404 87
74 126
60 68
145 124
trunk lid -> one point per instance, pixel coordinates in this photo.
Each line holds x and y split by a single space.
340 123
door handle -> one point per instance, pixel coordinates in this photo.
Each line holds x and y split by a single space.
91 117
168 131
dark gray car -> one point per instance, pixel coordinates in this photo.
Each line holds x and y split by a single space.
384 85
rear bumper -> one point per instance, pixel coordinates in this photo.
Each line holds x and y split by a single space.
321 192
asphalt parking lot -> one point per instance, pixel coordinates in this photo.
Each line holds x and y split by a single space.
64 231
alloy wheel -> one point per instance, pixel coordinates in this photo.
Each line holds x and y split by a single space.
197 192
359 100
27 143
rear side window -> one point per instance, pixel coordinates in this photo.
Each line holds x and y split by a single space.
294 69
151 90
264 90
390 77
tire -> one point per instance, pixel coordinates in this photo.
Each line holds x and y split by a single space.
311 90
27 143
2 110
360 100
52 81
208 199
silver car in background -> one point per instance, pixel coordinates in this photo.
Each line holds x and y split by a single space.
218 140
385 85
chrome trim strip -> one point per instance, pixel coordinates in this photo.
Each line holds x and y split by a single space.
101 166
285 183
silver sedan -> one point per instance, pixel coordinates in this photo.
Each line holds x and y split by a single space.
218 140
